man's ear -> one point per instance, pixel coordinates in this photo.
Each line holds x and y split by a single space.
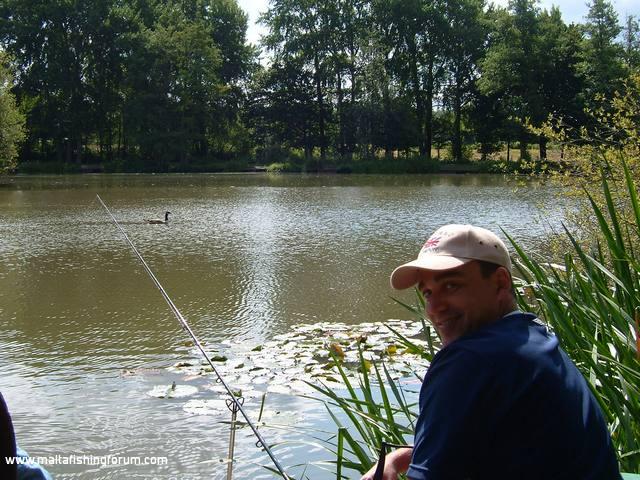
503 279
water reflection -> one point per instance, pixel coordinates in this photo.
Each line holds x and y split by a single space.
244 257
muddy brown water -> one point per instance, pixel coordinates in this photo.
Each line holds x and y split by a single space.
84 334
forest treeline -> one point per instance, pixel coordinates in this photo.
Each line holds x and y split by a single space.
173 85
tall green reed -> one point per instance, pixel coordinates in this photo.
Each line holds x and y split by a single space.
592 303
376 410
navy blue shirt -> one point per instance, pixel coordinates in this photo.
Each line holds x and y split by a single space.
7 442
505 402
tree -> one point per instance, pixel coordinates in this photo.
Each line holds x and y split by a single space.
299 32
419 29
348 32
129 79
510 69
49 42
11 119
281 109
380 86
465 42
560 82
631 42
602 67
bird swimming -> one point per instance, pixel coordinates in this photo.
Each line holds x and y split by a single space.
157 221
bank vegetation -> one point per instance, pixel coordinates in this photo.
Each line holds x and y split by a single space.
355 85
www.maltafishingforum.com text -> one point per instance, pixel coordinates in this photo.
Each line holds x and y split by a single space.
102 460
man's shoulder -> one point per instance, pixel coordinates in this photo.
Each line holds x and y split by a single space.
460 358
510 333
512 342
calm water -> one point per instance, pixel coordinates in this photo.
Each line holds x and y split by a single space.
244 257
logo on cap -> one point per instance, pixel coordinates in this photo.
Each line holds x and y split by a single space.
431 242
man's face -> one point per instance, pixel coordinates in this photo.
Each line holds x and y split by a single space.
461 300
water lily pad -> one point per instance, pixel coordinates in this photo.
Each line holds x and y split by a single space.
301 387
217 407
182 364
279 388
261 380
172 391
282 364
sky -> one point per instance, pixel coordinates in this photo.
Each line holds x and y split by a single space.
572 12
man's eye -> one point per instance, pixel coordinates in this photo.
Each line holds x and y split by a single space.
450 286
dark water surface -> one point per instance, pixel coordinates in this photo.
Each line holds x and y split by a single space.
244 257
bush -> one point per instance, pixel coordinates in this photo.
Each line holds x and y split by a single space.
12 121
281 167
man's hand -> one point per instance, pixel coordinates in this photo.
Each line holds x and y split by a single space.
395 463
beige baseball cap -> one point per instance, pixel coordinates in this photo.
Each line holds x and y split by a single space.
449 247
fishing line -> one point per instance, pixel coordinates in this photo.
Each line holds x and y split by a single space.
236 403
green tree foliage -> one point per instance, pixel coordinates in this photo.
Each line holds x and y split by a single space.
511 68
464 46
631 42
531 69
382 71
304 33
142 83
602 66
11 119
560 84
281 110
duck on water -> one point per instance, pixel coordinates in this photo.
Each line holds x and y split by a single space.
157 221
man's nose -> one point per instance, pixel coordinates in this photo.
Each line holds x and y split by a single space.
435 304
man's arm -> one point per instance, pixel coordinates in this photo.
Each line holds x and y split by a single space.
395 463
7 442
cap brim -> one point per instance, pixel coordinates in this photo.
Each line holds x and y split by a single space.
406 275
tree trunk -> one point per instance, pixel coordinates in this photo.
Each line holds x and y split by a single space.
417 93
79 150
524 153
341 128
457 135
543 147
386 102
428 124
320 100
351 127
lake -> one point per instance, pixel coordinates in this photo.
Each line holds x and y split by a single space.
85 335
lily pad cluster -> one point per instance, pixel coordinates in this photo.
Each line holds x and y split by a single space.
308 353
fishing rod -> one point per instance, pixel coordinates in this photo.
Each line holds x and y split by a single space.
237 405
382 458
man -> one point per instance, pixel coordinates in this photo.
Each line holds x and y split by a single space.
500 400
10 469
7 442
